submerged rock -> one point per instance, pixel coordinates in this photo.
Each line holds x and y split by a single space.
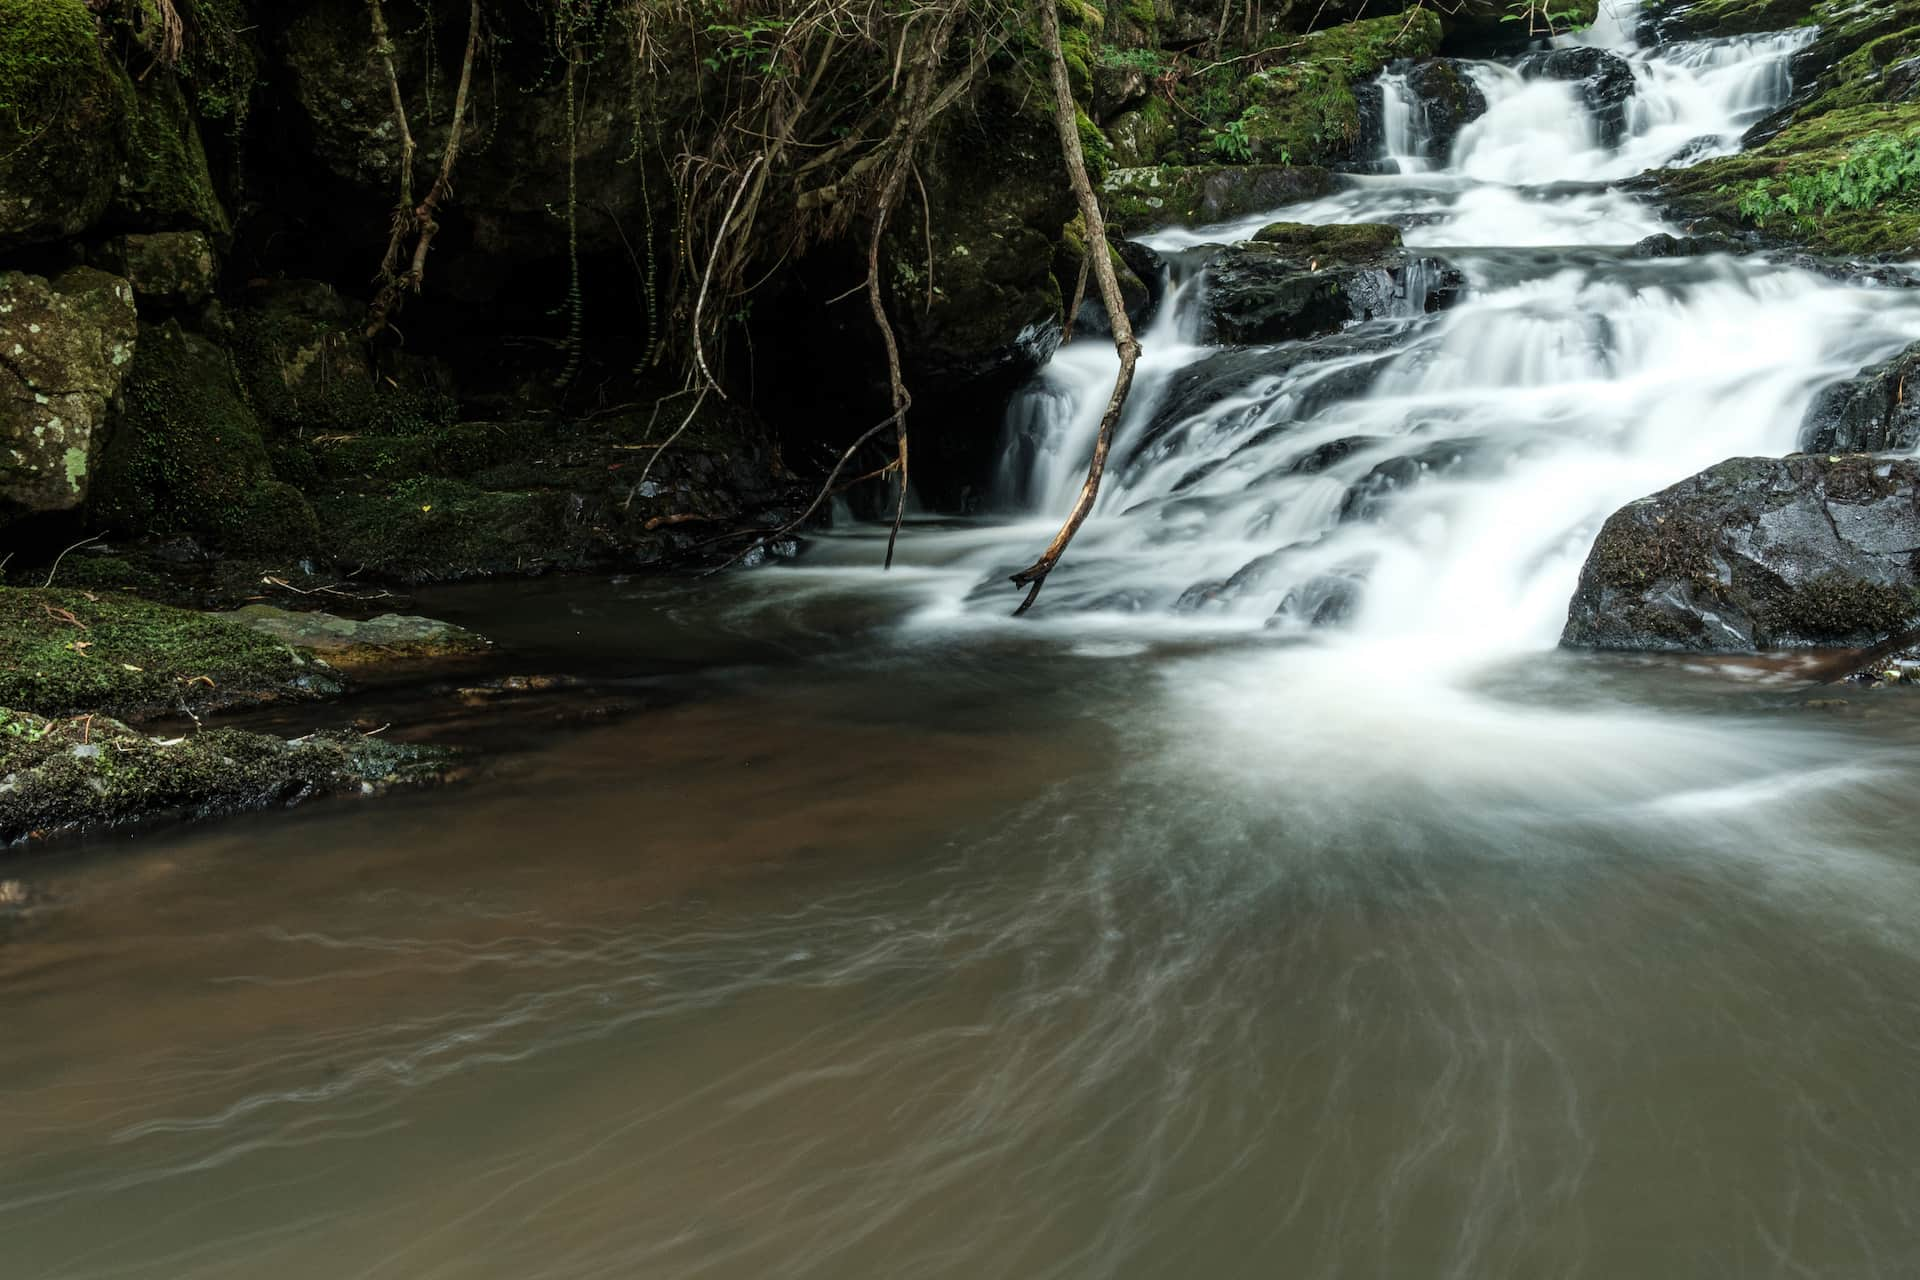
351 644
1758 553
1871 412
65 347
68 776
1297 281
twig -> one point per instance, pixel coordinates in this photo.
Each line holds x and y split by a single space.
63 555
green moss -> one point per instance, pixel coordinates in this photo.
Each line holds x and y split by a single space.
1847 610
49 51
1738 17
1334 243
303 366
65 650
1810 147
1304 109
64 776
435 529
167 180
188 456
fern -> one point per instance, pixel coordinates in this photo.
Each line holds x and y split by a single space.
1874 169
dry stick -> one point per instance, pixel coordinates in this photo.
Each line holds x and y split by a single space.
665 445
1034 576
420 219
826 489
63 555
1079 296
699 304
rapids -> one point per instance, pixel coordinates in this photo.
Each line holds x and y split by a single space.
1276 900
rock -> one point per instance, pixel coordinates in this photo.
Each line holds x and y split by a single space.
1143 200
1662 245
1364 499
1297 281
1323 601
187 456
1757 553
350 645
1604 80
1142 135
63 121
69 776
1868 413
1446 101
1115 89
65 348
166 268
64 652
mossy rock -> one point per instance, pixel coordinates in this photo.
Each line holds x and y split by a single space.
67 650
1758 553
1137 201
355 644
436 530
1709 194
69 776
1331 243
302 355
188 458
166 182
65 347
1303 111
1143 135
166 268
63 121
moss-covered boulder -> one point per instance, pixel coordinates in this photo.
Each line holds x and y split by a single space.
1294 281
166 268
65 347
1137 201
1303 111
1758 553
187 456
1142 135
166 181
69 650
63 121
69 776
1447 100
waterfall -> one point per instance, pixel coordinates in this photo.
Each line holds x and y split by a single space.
1404 143
1433 482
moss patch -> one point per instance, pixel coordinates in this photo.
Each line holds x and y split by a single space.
188 457
1303 111
65 776
68 650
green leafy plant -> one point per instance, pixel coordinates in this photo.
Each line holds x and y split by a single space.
1231 142
1875 168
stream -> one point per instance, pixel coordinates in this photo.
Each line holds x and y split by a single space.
1277 899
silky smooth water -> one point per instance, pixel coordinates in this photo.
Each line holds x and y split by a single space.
1164 932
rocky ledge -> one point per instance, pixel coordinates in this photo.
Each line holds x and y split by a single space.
1293 280
1811 550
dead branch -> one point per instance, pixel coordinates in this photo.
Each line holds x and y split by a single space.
1034 576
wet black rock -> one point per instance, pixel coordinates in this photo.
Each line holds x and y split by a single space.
1295 281
1758 553
1368 494
1604 81
1447 100
1322 601
1871 412
1662 245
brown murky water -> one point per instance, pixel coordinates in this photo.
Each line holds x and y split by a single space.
857 950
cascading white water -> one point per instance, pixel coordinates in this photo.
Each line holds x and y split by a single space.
1436 481
1403 141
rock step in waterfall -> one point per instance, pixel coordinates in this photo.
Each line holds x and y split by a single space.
1403 409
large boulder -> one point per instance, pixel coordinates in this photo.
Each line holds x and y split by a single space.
1868 413
1294 280
63 121
1137 201
1758 553
1603 80
65 346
